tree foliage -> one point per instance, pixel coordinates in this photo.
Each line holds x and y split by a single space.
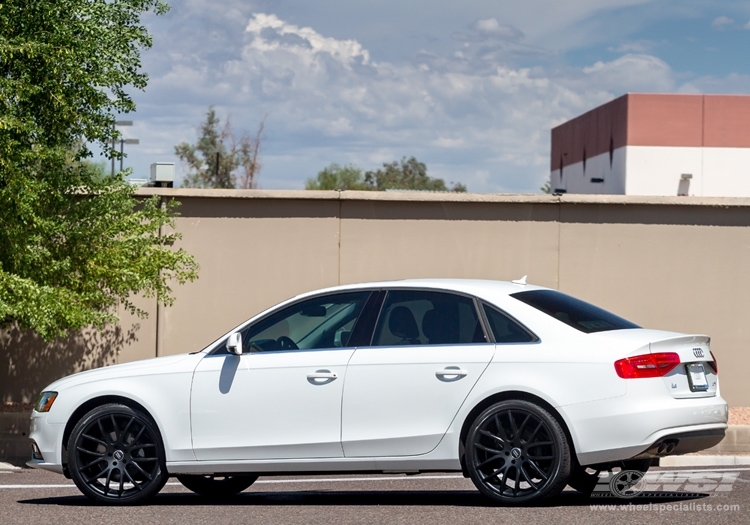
336 177
408 174
74 243
221 159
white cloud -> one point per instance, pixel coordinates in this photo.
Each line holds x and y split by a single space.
637 46
734 83
636 72
722 22
492 28
346 51
496 114
476 117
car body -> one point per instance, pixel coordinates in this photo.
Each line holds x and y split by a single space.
519 386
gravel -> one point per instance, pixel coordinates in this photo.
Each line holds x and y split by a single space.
739 415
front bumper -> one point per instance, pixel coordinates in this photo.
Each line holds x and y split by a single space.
47 437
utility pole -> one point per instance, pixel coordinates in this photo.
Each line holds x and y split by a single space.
122 143
114 144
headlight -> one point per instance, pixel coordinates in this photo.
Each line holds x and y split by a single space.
45 401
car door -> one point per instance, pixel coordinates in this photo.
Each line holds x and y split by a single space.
428 350
281 398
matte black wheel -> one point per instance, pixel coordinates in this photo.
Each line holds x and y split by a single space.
585 479
217 486
116 456
517 453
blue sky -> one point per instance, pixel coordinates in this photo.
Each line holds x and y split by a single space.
471 88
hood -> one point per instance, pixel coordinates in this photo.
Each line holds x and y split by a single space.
157 365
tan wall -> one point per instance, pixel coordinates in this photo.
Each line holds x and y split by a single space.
671 263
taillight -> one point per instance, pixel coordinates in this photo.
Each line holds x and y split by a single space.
714 363
647 365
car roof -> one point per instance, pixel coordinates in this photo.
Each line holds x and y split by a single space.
478 287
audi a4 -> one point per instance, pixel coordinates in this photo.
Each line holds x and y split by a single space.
522 388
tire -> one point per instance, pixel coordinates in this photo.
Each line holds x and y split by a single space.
585 479
517 453
116 456
217 486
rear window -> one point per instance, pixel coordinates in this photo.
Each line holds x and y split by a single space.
576 313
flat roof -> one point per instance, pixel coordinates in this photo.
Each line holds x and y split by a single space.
646 119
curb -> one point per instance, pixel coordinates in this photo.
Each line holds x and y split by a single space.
7 467
703 461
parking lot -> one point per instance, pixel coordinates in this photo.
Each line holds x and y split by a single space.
696 496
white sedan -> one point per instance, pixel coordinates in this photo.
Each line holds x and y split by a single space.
522 388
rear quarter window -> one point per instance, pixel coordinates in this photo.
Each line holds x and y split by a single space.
574 312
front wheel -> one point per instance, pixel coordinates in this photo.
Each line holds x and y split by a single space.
517 453
116 456
216 486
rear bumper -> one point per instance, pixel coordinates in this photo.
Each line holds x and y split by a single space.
632 425
683 443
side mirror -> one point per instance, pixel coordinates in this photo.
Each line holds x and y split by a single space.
234 343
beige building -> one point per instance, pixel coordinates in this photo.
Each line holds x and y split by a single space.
675 263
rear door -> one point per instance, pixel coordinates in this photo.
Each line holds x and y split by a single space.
402 392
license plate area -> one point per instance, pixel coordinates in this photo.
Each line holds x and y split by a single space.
696 374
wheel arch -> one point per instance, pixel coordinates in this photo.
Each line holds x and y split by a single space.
505 396
91 404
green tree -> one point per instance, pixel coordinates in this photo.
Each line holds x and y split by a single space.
408 174
73 245
221 159
336 177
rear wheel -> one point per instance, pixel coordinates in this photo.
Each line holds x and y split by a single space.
116 456
517 453
216 486
585 479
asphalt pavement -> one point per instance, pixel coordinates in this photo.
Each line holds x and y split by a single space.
711 496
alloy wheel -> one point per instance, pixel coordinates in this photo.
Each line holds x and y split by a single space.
116 456
517 453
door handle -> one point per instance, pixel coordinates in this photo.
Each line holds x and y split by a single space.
321 377
451 373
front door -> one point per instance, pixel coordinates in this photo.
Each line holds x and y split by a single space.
281 399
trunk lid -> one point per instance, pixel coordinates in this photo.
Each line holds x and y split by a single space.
695 376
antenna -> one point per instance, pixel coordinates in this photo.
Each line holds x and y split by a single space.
522 280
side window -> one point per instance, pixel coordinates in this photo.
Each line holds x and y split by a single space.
505 329
413 317
320 322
